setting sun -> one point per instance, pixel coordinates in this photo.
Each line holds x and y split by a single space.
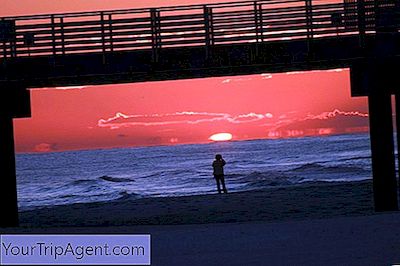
221 137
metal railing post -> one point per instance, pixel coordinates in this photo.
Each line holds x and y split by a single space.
62 35
53 35
4 43
259 27
361 21
208 30
103 37
258 18
103 34
110 30
309 23
155 34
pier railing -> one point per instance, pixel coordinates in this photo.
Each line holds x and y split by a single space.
195 25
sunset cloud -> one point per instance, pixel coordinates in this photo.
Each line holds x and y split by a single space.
45 147
336 70
284 125
262 76
64 88
325 123
71 88
266 76
120 120
334 113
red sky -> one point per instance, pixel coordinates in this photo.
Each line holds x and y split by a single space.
185 111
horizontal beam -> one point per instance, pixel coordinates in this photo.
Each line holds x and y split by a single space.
176 62
237 4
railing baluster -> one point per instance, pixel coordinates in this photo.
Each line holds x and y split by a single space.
361 21
309 18
258 19
13 42
4 44
53 35
4 50
110 30
103 37
260 11
155 33
208 30
309 23
62 35
103 34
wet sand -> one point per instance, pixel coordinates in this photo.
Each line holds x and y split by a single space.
321 200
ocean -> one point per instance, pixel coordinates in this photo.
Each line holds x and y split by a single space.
46 179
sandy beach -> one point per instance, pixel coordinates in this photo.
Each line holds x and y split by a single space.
313 224
318 200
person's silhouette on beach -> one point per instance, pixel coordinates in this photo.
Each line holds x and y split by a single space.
218 166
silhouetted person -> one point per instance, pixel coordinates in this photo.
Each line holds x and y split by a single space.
218 166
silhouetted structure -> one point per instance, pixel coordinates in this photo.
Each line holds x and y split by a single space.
202 41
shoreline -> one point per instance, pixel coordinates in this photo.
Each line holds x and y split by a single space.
299 202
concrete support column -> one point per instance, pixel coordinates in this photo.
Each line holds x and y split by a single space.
382 150
397 99
14 103
8 187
